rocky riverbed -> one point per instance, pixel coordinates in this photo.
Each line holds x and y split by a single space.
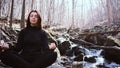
98 47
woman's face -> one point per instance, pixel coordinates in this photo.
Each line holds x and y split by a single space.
33 18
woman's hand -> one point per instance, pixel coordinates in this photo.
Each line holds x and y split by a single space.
52 46
4 45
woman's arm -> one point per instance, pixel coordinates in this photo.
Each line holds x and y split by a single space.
19 45
45 42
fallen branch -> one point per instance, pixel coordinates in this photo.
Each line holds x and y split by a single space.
117 41
82 42
95 33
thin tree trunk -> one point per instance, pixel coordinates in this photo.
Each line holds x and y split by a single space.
92 21
72 24
73 8
49 13
8 15
109 11
0 7
23 15
32 3
11 14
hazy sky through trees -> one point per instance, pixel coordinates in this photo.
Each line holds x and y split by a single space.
77 13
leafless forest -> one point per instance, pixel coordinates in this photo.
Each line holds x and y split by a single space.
62 13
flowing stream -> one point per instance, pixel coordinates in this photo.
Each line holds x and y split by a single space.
100 61
95 53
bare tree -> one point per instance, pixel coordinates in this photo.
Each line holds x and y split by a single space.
0 6
109 11
73 9
23 15
32 3
64 11
50 8
11 14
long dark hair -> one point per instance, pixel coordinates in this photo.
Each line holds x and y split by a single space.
38 22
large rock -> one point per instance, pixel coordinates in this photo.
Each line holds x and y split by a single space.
90 59
63 47
79 53
77 50
79 57
112 54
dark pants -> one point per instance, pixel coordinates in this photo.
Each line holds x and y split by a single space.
17 61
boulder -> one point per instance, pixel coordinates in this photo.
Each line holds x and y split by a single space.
79 53
112 54
90 59
63 47
79 57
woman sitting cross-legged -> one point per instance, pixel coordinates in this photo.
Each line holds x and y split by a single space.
31 50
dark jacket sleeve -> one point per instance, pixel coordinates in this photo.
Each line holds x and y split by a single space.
19 45
44 41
